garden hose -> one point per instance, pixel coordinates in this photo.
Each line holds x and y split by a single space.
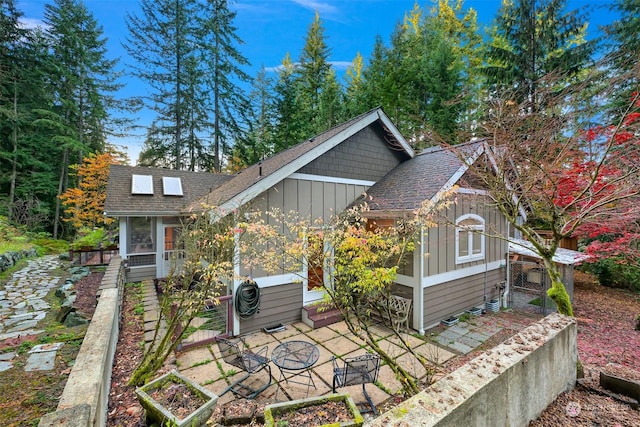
247 300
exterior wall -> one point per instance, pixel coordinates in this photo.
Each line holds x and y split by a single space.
507 386
310 198
451 298
366 156
440 241
278 304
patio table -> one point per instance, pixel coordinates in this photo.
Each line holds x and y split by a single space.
295 358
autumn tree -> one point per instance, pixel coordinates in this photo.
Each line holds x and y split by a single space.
84 204
562 179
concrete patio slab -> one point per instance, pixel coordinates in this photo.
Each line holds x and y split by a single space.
340 345
434 353
389 380
187 359
391 349
322 334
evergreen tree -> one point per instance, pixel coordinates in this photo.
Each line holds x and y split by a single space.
624 54
532 39
312 73
186 51
84 76
290 117
159 42
258 142
10 67
223 64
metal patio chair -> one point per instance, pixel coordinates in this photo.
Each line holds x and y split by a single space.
249 361
357 370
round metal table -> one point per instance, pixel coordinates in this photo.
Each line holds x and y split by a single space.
295 358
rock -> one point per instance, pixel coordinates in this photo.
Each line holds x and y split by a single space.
74 319
63 313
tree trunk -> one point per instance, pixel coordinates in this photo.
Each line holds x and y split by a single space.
61 188
557 292
14 157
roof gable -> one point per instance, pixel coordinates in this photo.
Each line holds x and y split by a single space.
254 180
424 177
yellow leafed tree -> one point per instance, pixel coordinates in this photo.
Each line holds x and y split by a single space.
84 205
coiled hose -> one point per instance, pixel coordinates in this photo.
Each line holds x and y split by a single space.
247 300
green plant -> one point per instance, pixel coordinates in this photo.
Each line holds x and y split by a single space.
465 317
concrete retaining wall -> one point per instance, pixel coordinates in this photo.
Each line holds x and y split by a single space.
86 396
508 385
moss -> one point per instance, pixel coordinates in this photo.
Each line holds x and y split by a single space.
561 298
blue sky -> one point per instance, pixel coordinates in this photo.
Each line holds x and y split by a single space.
271 28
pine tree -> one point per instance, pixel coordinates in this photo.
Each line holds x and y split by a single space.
84 76
532 39
291 125
159 42
624 54
311 75
223 64
258 142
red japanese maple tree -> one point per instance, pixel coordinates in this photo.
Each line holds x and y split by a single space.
580 183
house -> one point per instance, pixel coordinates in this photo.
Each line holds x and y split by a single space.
452 268
461 263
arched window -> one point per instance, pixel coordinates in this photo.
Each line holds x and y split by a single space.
469 238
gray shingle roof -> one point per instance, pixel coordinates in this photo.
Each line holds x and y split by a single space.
416 180
120 201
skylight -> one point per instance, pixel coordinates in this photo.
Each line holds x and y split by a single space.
141 184
172 186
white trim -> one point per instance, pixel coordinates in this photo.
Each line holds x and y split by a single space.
458 174
401 279
396 133
279 279
472 233
472 191
332 179
438 279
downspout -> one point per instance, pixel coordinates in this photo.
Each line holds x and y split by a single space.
418 291
507 281
236 281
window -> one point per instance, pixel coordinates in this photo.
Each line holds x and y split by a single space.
141 235
469 238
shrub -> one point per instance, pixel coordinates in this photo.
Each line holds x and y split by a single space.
610 272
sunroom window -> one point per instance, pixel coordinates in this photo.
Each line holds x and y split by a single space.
469 238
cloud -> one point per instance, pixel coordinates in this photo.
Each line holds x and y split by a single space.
338 65
31 23
323 8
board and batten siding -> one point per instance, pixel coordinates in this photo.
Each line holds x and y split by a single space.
278 304
311 199
454 297
364 156
440 246
282 303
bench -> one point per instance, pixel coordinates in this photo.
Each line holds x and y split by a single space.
395 310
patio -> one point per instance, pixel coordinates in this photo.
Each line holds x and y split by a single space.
206 366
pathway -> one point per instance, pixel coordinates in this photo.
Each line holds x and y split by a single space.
22 306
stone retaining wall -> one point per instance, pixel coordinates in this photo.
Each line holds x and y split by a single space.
9 259
86 396
508 385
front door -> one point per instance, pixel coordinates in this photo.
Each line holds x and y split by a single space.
171 257
316 269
